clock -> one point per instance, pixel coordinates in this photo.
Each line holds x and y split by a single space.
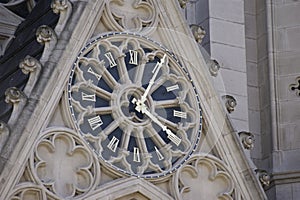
135 105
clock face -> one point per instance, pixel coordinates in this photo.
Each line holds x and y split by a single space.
135 105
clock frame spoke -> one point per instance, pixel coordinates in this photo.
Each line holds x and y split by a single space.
111 81
155 137
103 110
170 103
126 137
139 73
109 129
168 123
124 77
140 139
102 93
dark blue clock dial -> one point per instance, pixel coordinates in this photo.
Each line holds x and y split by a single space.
135 104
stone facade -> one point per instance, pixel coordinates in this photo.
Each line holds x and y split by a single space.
257 47
243 59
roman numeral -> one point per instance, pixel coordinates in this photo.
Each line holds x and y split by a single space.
88 97
136 154
179 114
159 155
110 58
95 122
133 57
90 70
113 144
173 87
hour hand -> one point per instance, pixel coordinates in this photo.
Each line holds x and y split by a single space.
151 82
141 107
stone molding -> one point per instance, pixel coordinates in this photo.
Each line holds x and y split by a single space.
126 186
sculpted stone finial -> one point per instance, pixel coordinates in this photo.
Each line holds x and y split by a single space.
213 67
247 139
14 96
29 64
230 103
183 3
44 34
18 99
59 5
32 66
263 177
64 9
198 32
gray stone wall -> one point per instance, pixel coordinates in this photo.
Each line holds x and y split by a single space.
257 44
224 23
284 51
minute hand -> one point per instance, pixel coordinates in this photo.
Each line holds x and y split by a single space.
175 139
151 82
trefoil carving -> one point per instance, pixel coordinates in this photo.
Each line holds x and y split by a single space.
130 15
204 176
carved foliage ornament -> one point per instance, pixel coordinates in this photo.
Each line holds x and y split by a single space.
59 5
204 176
198 32
183 3
44 34
13 95
63 165
296 87
130 15
230 103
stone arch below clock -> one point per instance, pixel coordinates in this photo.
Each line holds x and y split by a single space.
129 189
